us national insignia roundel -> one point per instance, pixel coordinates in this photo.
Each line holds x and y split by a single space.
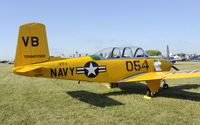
91 69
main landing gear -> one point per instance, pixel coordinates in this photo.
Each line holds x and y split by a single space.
149 93
165 85
153 88
112 85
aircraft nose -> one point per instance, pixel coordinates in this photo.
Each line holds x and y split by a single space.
165 65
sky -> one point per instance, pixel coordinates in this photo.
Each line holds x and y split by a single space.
87 26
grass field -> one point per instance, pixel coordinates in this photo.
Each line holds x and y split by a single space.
27 101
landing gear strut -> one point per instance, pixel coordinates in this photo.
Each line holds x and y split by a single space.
153 87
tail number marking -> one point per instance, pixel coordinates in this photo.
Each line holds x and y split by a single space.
34 41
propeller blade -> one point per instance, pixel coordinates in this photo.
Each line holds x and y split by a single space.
175 68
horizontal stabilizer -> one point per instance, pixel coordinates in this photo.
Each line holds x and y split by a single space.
26 68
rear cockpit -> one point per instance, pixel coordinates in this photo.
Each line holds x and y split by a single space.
119 52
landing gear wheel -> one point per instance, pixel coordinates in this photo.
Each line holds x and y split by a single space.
151 94
114 85
165 86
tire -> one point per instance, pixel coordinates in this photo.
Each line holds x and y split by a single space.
165 86
151 94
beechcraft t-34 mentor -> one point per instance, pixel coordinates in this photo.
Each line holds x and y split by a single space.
112 65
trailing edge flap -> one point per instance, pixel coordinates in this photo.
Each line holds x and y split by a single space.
26 68
147 76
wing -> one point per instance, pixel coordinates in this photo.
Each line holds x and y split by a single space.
147 76
183 74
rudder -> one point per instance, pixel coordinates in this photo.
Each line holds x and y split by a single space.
32 46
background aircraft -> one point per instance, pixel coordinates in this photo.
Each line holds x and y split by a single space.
111 65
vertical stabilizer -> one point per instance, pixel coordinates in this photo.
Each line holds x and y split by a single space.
32 46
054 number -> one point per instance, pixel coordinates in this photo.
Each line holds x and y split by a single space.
135 65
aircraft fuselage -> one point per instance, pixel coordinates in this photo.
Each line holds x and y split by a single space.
88 69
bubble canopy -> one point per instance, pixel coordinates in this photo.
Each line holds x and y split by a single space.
120 52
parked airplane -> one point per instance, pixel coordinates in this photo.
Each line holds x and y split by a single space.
112 65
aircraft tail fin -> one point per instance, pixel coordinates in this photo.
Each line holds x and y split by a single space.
32 46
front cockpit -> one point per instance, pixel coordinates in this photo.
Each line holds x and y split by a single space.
120 52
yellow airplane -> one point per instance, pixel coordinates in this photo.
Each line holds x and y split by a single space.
111 65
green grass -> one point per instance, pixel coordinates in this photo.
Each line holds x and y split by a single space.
25 100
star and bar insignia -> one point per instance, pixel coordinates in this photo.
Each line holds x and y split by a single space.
91 69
